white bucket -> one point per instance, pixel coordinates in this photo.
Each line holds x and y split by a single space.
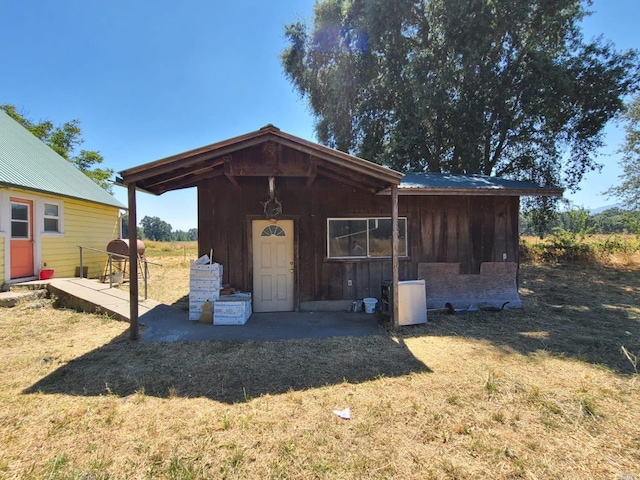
370 304
117 278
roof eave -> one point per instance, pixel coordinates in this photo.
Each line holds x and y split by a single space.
505 192
61 195
383 176
119 183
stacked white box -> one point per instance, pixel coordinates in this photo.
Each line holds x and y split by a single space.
232 309
205 281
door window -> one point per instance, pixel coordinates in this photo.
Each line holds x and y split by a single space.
19 220
273 231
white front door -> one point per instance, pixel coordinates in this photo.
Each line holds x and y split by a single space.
273 279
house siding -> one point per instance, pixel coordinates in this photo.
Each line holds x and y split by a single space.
468 230
86 224
82 223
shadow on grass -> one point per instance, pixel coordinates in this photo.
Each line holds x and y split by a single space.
585 313
228 371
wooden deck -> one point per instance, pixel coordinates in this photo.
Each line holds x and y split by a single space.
91 296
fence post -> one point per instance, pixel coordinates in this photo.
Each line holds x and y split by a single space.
146 279
81 269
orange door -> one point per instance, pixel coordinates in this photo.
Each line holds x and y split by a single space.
21 238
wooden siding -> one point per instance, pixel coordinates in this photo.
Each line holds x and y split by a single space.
86 224
464 229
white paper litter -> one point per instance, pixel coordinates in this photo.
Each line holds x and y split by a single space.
344 414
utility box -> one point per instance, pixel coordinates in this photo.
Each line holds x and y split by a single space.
412 301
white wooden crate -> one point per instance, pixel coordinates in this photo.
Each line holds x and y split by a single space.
213 269
230 320
199 296
232 309
204 284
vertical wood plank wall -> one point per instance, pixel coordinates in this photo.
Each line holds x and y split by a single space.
463 229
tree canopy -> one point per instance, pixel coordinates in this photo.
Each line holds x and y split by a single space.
154 228
629 189
498 87
579 221
65 140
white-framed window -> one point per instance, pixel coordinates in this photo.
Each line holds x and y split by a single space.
21 219
364 237
52 218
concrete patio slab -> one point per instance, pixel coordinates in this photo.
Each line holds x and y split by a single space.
164 323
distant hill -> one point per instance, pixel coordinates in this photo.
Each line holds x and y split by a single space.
595 211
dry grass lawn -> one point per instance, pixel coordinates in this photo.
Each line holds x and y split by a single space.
540 393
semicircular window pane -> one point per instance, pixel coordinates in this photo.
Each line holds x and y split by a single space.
273 230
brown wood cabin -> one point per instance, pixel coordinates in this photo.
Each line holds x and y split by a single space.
303 226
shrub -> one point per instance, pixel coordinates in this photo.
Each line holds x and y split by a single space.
568 247
564 246
560 247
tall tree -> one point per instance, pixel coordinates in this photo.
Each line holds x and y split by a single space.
502 87
156 229
65 140
629 189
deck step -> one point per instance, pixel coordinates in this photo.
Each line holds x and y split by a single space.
13 297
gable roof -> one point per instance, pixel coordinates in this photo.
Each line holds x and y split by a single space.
26 162
186 169
226 158
458 184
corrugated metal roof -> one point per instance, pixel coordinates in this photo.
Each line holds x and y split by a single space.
28 163
448 183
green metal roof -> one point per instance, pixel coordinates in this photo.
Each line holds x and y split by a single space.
28 163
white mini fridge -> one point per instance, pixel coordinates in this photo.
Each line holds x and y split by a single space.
412 302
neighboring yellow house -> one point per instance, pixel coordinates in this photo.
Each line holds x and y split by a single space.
47 209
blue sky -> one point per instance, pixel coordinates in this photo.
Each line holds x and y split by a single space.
149 79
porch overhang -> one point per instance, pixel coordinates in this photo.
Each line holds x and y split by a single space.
258 154
267 152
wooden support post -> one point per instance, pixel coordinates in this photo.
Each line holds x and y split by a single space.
395 261
134 333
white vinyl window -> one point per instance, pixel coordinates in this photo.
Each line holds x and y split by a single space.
52 217
364 237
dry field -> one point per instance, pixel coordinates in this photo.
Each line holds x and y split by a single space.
541 393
